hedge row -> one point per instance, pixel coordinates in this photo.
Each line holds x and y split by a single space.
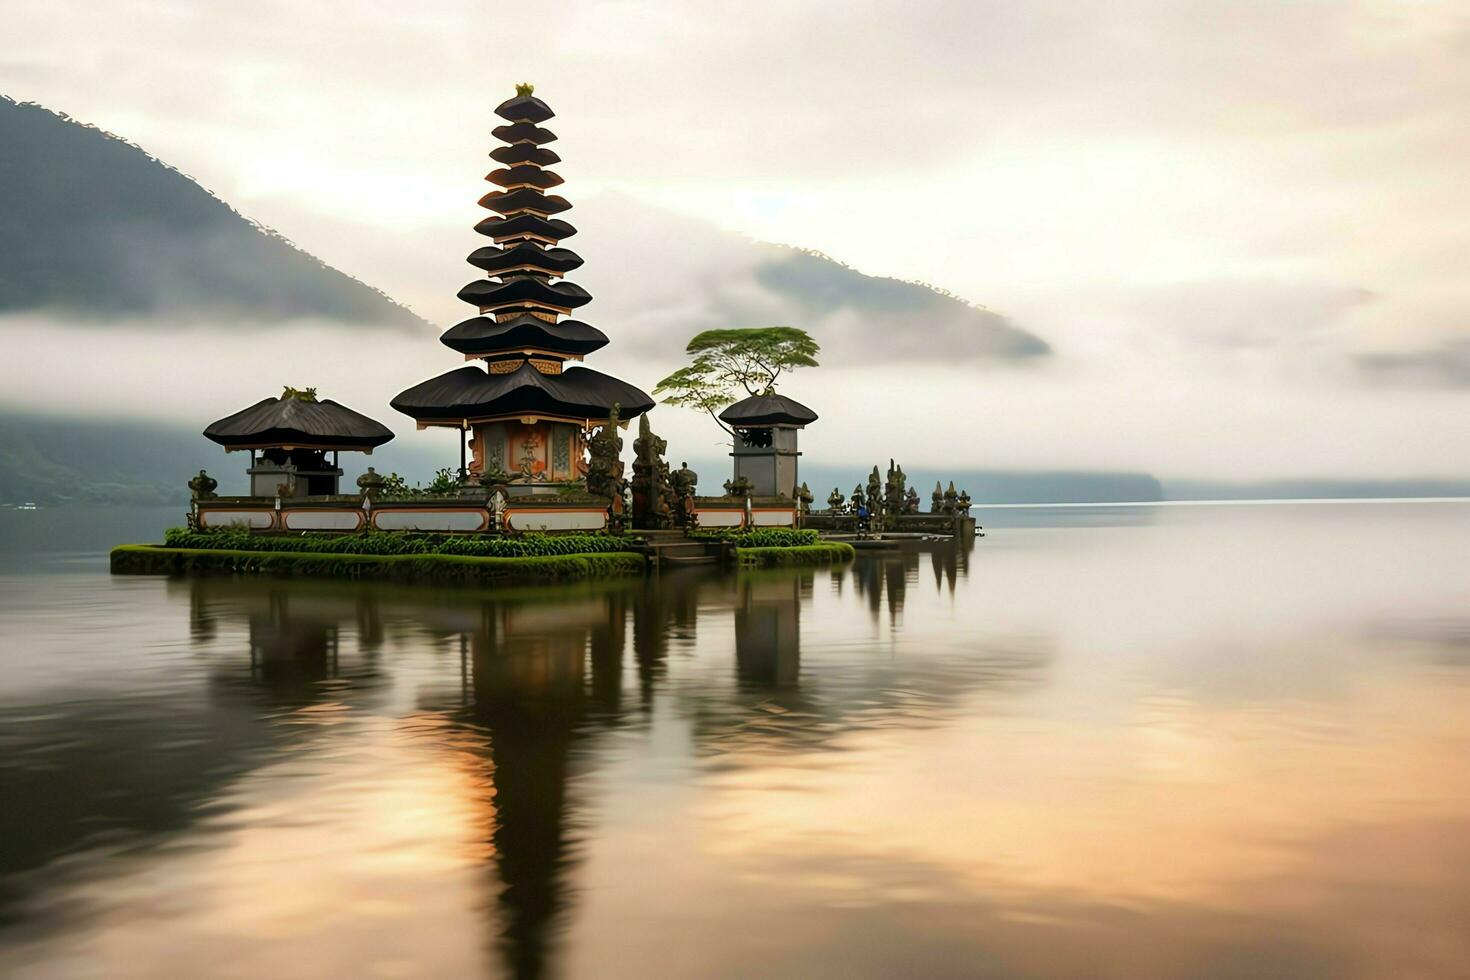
763 537
807 554
437 568
393 543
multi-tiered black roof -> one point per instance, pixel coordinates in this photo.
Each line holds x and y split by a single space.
519 302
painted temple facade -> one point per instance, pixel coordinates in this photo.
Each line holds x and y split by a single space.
524 403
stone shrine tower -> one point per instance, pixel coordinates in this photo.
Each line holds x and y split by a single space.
765 441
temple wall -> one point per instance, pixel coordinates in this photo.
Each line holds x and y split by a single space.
323 520
256 520
542 519
455 515
729 512
720 518
435 519
773 518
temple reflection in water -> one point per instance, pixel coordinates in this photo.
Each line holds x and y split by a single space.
544 675
804 774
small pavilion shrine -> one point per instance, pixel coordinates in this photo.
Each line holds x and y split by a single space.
293 434
765 441
527 414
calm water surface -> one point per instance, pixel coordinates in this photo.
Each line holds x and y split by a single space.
1227 741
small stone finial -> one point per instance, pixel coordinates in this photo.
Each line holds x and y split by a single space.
202 486
370 482
524 88
300 394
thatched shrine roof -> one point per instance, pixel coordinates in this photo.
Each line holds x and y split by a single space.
300 421
772 409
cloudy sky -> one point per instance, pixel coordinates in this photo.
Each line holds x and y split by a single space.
1241 227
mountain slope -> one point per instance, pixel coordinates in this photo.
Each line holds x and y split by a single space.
93 227
659 277
56 460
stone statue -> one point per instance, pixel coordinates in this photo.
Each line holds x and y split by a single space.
875 492
804 499
684 482
962 504
911 501
653 495
936 505
605 468
857 499
371 482
951 499
202 487
497 504
835 500
893 489
739 486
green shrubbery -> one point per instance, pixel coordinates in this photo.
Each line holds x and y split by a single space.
762 537
446 483
394 543
806 554
435 568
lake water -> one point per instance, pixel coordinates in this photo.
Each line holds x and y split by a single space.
1132 742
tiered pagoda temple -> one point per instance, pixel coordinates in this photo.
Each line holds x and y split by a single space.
527 413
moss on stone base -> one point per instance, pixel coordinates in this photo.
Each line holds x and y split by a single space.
143 559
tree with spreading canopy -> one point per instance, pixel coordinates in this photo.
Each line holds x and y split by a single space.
731 360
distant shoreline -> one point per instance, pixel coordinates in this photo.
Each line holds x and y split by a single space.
1231 502
1211 502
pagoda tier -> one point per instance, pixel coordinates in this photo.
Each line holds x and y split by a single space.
554 262
523 132
471 394
529 293
528 412
526 199
525 175
524 108
525 227
519 153
485 336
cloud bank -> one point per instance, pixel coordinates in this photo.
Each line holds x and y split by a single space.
1238 226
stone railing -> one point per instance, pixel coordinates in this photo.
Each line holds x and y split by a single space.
713 512
541 512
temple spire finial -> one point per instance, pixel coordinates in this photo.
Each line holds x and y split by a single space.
524 88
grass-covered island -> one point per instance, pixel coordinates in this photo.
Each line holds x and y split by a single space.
456 559
384 556
773 546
